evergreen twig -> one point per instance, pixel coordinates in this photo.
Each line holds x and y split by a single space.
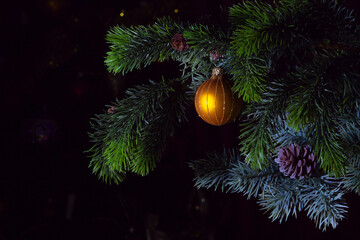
351 181
136 47
281 196
133 137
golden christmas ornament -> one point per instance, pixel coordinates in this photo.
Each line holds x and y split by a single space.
215 102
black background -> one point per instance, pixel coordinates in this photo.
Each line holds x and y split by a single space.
54 79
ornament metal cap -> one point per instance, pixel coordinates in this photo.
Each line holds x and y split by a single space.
217 71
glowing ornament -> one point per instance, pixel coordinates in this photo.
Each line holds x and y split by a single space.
215 102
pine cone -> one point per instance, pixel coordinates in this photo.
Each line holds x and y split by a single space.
178 42
111 110
215 55
296 161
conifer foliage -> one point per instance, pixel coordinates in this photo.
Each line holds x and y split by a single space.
296 65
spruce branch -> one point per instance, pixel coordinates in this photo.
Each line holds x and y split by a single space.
325 204
214 170
244 179
264 120
228 172
349 128
282 200
133 137
351 181
138 46
101 169
289 25
256 139
323 200
288 136
248 75
207 39
262 27
315 105
321 197
329 153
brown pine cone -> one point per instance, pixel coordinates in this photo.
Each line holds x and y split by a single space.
111 110
215 55
296 161
178 42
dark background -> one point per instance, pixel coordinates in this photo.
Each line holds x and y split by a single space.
53 81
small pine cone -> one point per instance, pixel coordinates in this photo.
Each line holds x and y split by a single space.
296 161
215 55
111 110
178 42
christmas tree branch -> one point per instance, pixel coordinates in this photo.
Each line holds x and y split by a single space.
207 39
324 203
135 47
265 120
260 26
132 134
315 105
281 200
288 136
256 139
244 179
214 170
349 128
249 76
281 196
230 173
290 24
351 181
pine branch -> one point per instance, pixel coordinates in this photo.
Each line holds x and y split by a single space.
291 24
351 181
253 11
197 78
101 169
265 120
243 179
288 136
136 47
325 204
282 200
256 140
207 39
315 106
330 155
230 173
262 27
281 196
349 128
133 136
299 26
337 24
214 170
249 76
323 201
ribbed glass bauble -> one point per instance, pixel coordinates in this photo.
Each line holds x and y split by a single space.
214 100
